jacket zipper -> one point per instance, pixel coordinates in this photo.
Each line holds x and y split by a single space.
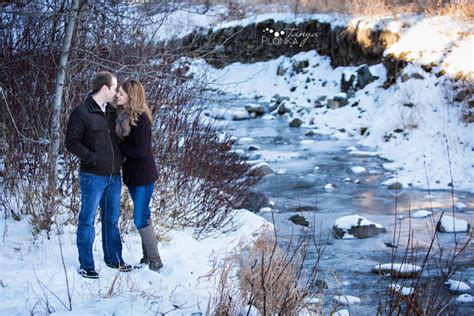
111 145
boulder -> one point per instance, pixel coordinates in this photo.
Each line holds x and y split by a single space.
395 186
449 224
299 220
254 201
400 270
364 77
333 104
348 83
240 115
261 169
282 109
457 286
296 123
299 66
421 214
355 226
255 108
346 299
281 71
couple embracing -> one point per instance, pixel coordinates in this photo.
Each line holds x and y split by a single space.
102 137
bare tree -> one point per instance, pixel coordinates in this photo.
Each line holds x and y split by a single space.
58 94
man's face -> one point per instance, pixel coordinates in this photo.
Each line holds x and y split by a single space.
110 92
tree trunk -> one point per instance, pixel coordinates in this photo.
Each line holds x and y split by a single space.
58 94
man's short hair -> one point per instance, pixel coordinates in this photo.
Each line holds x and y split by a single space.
101 78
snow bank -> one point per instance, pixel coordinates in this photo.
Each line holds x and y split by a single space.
179 287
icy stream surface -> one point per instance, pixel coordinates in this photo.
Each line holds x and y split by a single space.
305 165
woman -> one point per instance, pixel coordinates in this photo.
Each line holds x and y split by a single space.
133 128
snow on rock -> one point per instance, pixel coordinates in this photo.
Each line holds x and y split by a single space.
358 169
245 140
403 290
449 224
239 115
329 187
460 205
347 299
465 298
261 168
402 270
356 226
457 286
421 214
342 312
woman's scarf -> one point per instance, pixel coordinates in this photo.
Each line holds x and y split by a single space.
122 128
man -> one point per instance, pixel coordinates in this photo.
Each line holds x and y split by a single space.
90 136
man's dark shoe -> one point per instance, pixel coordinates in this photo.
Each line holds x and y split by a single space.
89 273
122 267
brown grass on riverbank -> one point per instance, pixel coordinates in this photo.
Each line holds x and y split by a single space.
458 8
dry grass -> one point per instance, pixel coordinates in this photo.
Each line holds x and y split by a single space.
266 278
458 8
270 280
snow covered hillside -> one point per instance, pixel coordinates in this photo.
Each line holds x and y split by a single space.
416 123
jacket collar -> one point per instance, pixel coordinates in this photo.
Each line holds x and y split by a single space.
92 106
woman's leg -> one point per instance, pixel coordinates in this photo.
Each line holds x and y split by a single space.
141 197
141 217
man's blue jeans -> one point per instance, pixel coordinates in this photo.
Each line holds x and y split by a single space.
141 197
104 191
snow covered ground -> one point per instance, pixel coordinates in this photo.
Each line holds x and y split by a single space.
32 272
414 123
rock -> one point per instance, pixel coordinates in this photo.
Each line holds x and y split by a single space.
364 77
449 224
406 77
321 284
457 286
333 104
348 83
273 106
299 220
281 71
355 226
299 66
296 123
282 109
395 186
261 169
421 214
347 299
401 270
309 133
253 148
255 108
342 98
255 201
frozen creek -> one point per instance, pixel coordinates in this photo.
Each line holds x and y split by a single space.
305 165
